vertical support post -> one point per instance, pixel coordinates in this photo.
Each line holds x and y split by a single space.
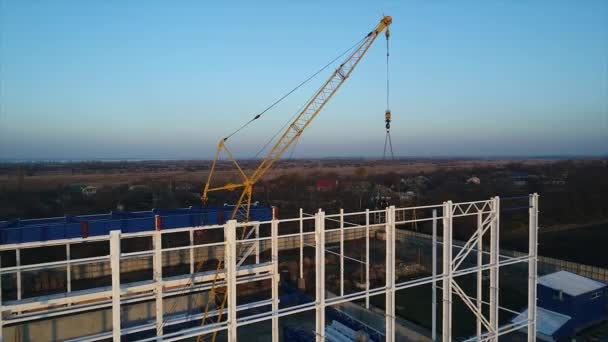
494 270
1 322
447 271
367 259
230 265
275 278
341 252
158 275
390 275
434 270
115 266
301 244
191 251
68 267
479 271
320 276
18 263
532 266
257 243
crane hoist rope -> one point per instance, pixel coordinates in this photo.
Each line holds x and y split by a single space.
387 115
259 115
291 133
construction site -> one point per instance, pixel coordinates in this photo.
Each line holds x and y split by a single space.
241 271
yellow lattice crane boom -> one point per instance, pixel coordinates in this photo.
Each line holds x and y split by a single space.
293 130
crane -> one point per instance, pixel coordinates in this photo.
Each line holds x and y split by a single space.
287 138
293 130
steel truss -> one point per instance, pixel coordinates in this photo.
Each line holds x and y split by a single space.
234 272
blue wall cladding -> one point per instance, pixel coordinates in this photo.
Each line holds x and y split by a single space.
69 227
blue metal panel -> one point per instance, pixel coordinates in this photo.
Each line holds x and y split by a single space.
19 231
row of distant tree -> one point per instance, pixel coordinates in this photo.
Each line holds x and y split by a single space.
571 192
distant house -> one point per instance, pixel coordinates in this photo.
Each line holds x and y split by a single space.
325 184
567 303
89 191
474 180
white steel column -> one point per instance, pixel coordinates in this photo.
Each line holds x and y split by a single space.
447 272
230 265
320 275
18 263
115 266
68 268
479 272
257 243
301 244
341 252
434 268
532 266
390 275
1 323
191 251
158 280
274 227
494 270
367 259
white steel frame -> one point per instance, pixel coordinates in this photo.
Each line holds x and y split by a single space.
159 288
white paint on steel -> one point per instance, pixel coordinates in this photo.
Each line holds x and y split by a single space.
320 276
110 297
18 264
115 265
230 265
390 275
494 271
479 298
274 227
367 258
158 281
301 243
447 272
341 252
434 274
532 266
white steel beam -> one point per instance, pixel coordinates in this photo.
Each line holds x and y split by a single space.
301 243
479 298
434 272
390 275
367 258
494 269
191 251
1 305
115 265
447 272
532 266
18 264
68 267
230 266
158 281
274 227
320 276
257 243
341 252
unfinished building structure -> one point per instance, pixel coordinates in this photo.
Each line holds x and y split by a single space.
154 290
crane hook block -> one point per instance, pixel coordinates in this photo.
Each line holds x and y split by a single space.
387 116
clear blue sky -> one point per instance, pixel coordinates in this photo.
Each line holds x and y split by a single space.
159 79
